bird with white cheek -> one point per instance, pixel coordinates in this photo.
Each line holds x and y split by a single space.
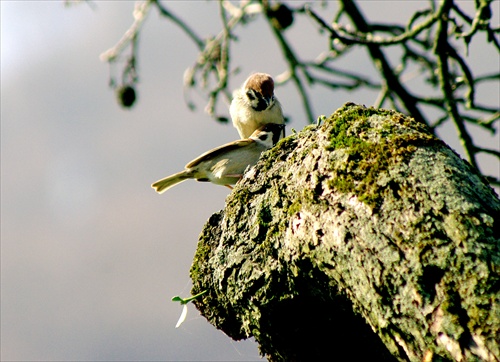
226 164
254 105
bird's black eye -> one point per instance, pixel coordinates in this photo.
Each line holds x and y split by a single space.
263 136
250 95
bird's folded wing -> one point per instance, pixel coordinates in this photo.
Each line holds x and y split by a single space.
219 151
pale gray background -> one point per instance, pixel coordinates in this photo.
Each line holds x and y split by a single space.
90 254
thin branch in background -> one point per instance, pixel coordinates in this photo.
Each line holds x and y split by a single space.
488 151
489 121
366 38
441 49
486 124
381 98
488 77
141 11
440 121
480 21
293 63
321 64
351 81
468 78
180 23
223 64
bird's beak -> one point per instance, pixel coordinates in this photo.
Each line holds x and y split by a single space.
269 101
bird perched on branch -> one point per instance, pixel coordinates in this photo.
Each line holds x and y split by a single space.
226 164
254 105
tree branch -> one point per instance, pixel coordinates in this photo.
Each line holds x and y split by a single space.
345 233
180 23
442 49
140 13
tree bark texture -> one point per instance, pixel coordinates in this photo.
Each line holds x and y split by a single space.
364 238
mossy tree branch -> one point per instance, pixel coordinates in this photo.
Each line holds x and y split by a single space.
366 231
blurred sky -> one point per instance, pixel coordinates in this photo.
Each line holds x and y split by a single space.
90 254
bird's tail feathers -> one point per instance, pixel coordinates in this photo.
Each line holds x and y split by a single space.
164 184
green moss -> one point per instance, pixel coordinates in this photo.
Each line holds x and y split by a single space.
371 151
202 254
242 197
294 208
366 162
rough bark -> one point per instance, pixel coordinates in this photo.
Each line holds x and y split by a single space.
363 238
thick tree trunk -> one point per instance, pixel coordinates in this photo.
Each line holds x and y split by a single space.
363 239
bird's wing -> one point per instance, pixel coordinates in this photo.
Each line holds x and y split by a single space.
219 151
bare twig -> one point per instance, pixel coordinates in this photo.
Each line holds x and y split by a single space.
441 49
294 65
365 38
180 23
140 13
488 151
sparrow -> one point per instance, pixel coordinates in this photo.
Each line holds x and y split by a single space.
254 105
225 165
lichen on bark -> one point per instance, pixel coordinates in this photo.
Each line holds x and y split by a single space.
364 230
